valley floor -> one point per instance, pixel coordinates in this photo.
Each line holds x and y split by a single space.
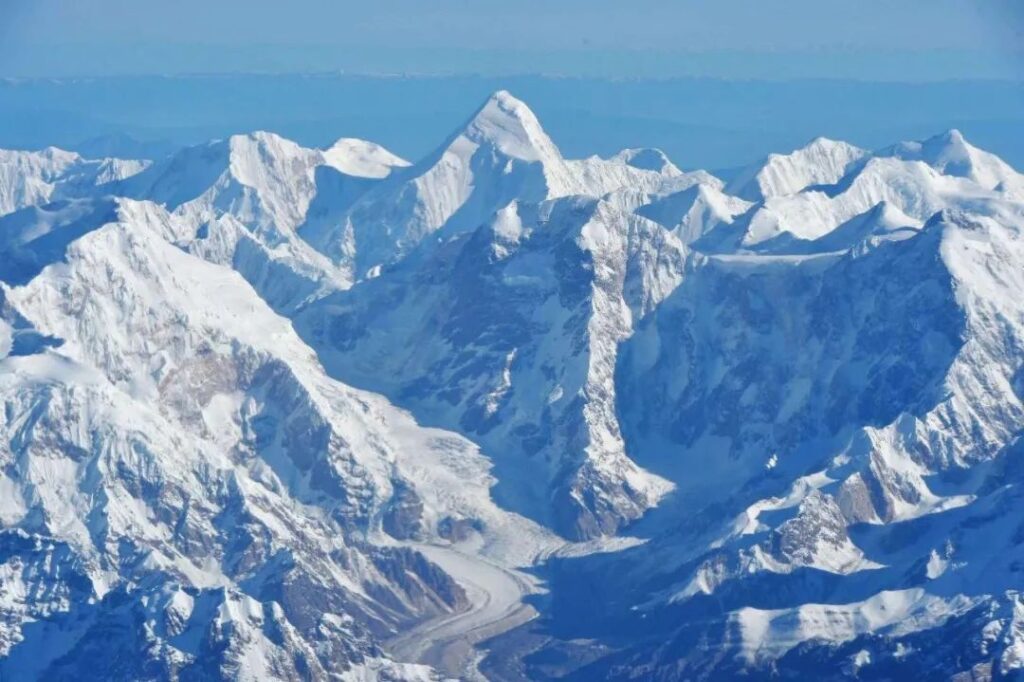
447 643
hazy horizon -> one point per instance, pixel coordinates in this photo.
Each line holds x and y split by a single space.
699 122
901 40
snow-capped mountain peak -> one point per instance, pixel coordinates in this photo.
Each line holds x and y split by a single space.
362 159
501 154
250 154
29 178
646 158
820 162
512 128
951 154
262 162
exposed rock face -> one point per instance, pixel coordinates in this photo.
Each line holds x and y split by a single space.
403 516
832 526
510 333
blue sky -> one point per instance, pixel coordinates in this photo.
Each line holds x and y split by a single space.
928 39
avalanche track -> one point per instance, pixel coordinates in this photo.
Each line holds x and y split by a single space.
447 642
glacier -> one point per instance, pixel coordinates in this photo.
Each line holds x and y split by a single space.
274 412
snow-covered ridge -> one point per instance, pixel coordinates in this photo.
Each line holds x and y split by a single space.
951 154
273 412
360 158
29 178
821 162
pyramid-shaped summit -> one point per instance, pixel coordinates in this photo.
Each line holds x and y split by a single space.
509 125
499 155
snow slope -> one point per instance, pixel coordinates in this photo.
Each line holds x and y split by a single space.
821 162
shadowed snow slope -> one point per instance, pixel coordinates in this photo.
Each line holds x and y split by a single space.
510 333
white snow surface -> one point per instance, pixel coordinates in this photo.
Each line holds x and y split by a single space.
821 162
362 159
28 178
